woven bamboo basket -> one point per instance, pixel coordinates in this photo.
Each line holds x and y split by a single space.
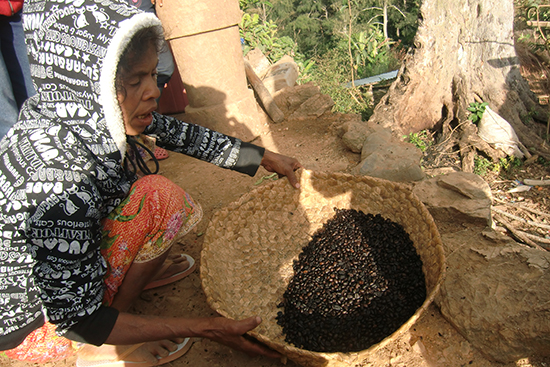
249 248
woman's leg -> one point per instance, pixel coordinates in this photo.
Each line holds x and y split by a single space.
139 233
137 277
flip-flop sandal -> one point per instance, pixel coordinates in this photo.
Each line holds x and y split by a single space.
160 153
183 347
158 281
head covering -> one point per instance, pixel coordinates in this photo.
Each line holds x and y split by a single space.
74 49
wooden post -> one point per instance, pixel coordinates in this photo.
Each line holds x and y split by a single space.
267 101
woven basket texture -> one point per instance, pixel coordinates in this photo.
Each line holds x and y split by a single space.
249 248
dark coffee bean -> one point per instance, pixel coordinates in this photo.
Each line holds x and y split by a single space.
356 282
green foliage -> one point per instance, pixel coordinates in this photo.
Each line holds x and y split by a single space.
421 139
256 33
476 111
403 28
309 22
481 165
306 68
330 72
247 5
370 52
509 163
316 33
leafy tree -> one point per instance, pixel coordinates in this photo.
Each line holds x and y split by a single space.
318 26
308 22
349 36
403 21
258 32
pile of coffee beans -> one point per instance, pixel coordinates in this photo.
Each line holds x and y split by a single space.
356 282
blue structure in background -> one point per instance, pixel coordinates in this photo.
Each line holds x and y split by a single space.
373 79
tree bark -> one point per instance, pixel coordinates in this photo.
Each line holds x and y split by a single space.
463 48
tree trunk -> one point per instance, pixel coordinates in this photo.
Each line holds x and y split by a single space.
463 48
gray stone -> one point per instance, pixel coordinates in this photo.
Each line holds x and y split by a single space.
282 74
381 140
355 134
257 59
314 107
291 98
384 156
468 184
458 196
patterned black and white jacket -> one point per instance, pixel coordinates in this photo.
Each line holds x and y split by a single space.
61 168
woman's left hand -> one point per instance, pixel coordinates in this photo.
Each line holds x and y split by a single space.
282 165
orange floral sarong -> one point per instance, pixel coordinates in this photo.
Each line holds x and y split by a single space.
153 217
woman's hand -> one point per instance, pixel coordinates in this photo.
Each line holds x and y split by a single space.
282 165
232 333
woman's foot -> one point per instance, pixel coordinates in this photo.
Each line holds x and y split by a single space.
174 268
146 354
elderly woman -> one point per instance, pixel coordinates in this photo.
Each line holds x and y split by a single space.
81 234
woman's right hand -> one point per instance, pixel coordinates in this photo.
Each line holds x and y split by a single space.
232 333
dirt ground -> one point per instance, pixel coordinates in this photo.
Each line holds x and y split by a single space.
431 342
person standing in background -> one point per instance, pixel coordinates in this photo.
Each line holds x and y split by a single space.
15 75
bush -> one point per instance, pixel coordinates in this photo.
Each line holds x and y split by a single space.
330 72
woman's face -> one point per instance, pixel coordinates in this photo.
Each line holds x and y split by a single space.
140 85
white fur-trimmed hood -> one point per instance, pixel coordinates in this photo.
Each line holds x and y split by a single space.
108 97
74 49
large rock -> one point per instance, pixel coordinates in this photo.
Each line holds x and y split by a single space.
356 132
291 98
259 62
280 75
384 156
314 107
497 295
457 197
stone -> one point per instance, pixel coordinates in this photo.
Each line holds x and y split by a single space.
496 293
355 134
380 140
314 107
432 172
468 184
458 196
289 99
280 75
386 157
257 59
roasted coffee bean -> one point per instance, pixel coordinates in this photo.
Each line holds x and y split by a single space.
355 283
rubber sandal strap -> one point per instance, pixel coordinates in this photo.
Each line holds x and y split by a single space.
162 270
129 351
